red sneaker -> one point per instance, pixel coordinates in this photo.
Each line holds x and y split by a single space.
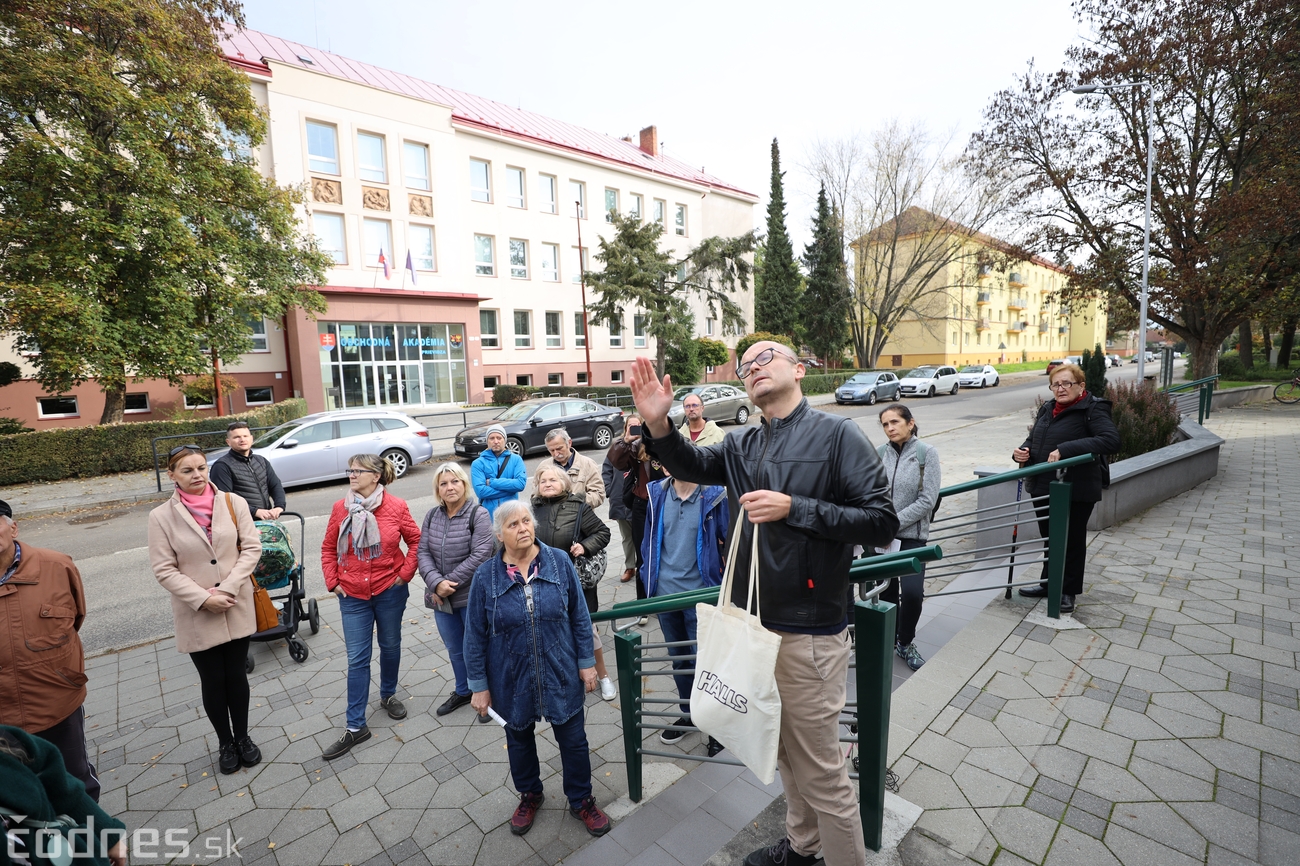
589 813
522 821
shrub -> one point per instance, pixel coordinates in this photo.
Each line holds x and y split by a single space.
1230 367
1146 418
1094 371
743 344
83 452
12 425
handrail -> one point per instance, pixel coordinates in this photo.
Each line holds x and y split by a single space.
1187 386
1016 475
861 569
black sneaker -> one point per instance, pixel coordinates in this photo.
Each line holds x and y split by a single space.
1067 604
676 732
909 654
396 709
455 702
780 854
714 748
249 754
1039 591
228 760
345 743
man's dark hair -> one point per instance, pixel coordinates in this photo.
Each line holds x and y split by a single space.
235 425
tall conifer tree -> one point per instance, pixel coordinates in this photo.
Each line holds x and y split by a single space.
776 303
826 297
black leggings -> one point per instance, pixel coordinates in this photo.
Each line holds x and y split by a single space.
225 687
909 608
1076 544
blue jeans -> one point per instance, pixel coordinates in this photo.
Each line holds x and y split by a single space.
571 737
680 625
361 619
451 627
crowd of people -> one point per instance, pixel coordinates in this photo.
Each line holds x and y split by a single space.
512 580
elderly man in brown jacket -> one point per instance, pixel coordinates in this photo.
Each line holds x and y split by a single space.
584 474
42 665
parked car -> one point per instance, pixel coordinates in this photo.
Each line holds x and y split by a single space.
1114 360
1052 365
722 403
811 363
318 447
929 381
868 388
978 376
527 423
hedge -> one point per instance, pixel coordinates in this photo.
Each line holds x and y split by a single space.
84 452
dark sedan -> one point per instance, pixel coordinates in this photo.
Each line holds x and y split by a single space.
527 423
867 388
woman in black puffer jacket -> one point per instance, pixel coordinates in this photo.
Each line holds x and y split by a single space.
1073 423
563 520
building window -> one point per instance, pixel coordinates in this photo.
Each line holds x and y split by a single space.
419 240
258 396
257 327
635 210
490 381
679 220
379 239
515 187
582 377
523 381
616 377
370 158
551 263
490 337
480 186
329 231
322 148
195 404
578 196
709 370
136 404
638 331
580 259
523 329
954 338
553 338
660 208
483 259
579 330
616 333
611 204
416 160
518 259
708 327
546 187
555 379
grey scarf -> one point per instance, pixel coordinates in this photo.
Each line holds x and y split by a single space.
361 525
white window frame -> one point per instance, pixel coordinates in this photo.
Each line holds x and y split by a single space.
260 344
519 271
387 225
550 274
523 340
708 327
579 331
524 380
248 402
486 268
582 377
75 413
559 380
516 196
148 405
548 187
382 169
188 405
616 377
424 181
635 210
326 161
578 193
418 258
610 210
490 382
638 331
556 340
481 194
661 212
495 335
616 333
679 220
340 255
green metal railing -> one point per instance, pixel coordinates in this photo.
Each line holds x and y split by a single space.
1184 399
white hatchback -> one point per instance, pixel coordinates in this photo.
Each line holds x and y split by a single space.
928 381
978 376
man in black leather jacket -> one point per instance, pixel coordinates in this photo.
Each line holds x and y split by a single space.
817 485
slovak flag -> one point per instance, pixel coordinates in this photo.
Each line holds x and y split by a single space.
410 266
383 263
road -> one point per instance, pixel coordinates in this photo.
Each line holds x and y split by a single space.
126 606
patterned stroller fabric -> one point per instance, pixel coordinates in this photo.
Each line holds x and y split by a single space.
278 562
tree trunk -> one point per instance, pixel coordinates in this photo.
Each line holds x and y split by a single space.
1244 347
114 402
1268 344
1286 343
1205 358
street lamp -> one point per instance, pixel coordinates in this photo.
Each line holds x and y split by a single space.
1146 241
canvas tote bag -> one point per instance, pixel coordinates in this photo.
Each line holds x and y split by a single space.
735 699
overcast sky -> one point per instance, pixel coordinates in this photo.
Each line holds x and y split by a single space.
719 79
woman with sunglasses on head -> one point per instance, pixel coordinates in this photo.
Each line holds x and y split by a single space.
366 568
204 546
1074 422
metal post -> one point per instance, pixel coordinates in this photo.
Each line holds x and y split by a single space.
1058 509
1146 236
627 649
875 622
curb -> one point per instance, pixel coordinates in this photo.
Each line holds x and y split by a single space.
28 514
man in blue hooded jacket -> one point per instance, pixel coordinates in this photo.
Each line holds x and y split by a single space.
498 474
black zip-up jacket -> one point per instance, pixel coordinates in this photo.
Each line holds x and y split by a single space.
840 497
250 477
1084 427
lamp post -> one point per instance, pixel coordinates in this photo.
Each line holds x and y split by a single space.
1146 240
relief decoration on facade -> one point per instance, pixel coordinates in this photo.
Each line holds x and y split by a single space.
374 199
421 205
326 191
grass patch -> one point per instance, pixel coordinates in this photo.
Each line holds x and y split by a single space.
1221 385
1021 366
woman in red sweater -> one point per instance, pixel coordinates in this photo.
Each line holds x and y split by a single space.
366 568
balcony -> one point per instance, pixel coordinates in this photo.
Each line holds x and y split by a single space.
1016 281
1064 329
1016 327
1043 327
984 272
1017 304
1064 311
984 298
982 325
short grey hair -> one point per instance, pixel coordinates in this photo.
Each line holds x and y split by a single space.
451 466
507 510
558 433
552 466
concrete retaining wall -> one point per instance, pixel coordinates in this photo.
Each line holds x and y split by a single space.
1237 396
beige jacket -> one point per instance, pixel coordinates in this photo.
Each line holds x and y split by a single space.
711 434
584 479
187 564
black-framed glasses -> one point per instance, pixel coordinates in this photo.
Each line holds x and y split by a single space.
352 473
179 448
762 359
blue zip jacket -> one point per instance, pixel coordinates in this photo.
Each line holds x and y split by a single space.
710 540
494 484
529 662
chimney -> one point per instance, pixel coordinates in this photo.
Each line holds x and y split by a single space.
650 140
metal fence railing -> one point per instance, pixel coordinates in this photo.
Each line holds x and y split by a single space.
195 438
438 422
1194 397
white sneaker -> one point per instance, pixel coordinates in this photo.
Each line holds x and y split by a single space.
607 690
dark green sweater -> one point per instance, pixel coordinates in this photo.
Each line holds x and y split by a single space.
42 789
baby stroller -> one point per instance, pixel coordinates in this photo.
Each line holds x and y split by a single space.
279 568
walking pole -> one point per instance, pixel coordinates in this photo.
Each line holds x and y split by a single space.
1015 532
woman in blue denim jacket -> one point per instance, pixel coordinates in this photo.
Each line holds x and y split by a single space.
529 656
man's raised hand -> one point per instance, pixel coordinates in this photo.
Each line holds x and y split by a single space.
653 398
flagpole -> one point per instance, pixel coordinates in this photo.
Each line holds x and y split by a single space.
582 277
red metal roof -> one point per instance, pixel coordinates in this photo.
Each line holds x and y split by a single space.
245 47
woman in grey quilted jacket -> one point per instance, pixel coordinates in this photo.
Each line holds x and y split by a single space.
914 481
455 539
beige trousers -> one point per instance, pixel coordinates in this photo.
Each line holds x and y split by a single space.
821 806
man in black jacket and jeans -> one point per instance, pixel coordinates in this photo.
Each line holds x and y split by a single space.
816 484
249 475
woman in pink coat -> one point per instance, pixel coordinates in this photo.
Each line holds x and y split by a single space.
203 547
